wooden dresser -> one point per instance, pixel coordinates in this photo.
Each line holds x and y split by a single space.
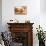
22 33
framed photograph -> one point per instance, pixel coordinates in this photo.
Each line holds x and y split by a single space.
22 10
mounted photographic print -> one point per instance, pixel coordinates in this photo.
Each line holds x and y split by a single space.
22 10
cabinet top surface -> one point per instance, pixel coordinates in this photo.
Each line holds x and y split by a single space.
19 23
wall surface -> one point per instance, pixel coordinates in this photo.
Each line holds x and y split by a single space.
43 14
34 14
43 6
0 15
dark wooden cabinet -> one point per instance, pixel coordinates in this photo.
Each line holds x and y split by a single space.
22 33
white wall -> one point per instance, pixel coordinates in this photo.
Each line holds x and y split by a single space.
43 14
43 6
0 15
